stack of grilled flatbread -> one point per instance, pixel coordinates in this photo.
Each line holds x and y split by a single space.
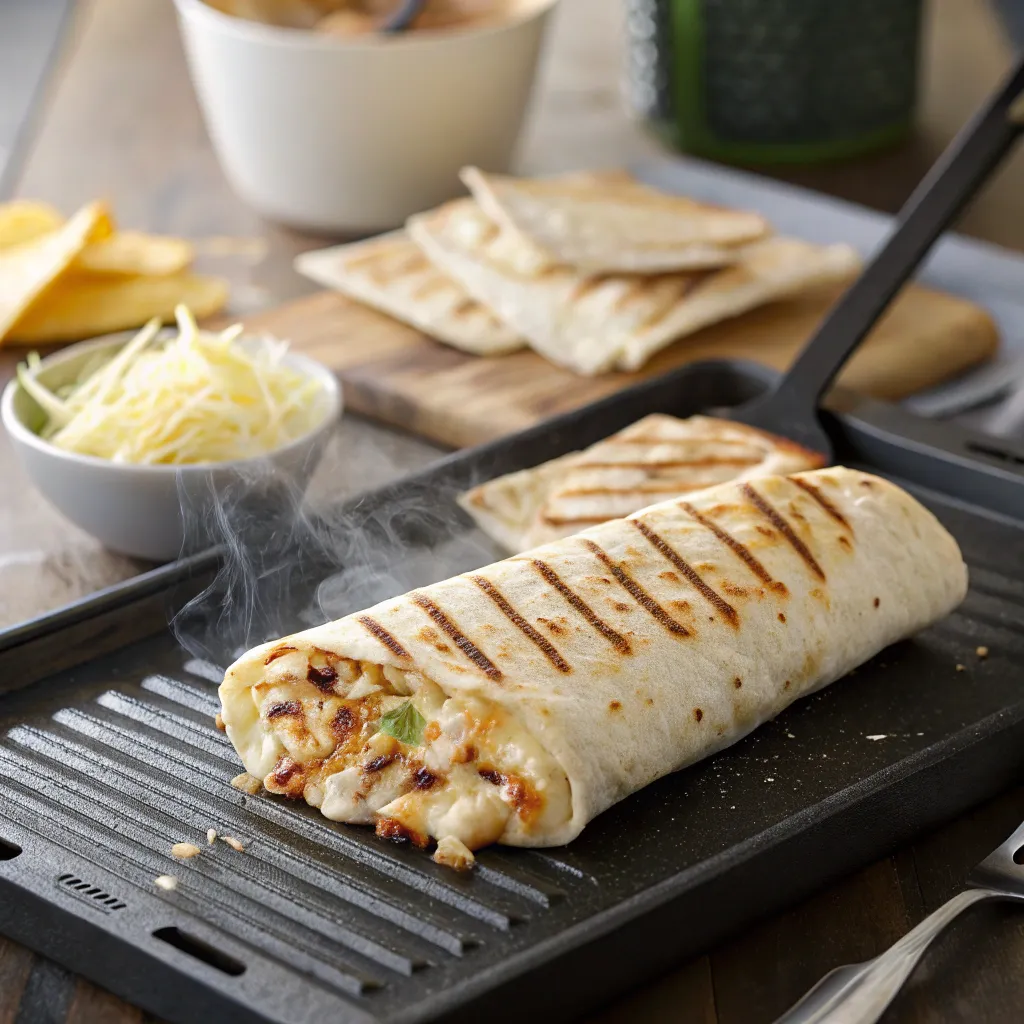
596 272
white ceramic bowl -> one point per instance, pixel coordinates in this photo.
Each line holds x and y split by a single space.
354 135
137 509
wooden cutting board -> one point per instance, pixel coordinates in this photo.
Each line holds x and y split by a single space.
395 374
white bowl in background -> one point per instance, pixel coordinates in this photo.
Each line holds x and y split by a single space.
355 135
136 509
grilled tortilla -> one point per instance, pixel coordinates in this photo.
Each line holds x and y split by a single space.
651 460
611 223
592 324
391 274
515 703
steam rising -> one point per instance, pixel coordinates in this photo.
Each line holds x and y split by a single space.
292 561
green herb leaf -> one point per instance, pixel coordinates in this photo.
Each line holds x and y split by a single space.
405 723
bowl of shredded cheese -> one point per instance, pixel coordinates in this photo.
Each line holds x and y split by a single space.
109 430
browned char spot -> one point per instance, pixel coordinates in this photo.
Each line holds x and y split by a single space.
278 652
878 601
424 778
637 592
553 626
546 647
287 778
431 636
782 617
287 707
615 705
738 549
388 828
464 644
344 723
523 797
376 630
783 527
844 542
617 640
697 714
719 603
378 764
820 498
322 678
669 577
649 702
620 606
738 683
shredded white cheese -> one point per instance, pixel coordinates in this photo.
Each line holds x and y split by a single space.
198 397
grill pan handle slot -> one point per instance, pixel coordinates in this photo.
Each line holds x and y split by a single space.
200 950
8 850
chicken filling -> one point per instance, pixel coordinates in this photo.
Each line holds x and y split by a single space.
377 745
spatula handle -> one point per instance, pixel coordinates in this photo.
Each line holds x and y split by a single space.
934 204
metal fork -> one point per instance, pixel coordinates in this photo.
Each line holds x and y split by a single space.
859 993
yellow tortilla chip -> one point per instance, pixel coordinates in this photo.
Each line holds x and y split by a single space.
28 269
24 220
121 252
81 306
132 252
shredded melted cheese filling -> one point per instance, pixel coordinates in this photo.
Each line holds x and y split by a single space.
198 397
475 774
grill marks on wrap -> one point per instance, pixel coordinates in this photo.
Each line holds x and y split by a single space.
820 498
546 647
740 550
636 591
703 462
626 580
713 598
378 632
780 524
617 640
464 644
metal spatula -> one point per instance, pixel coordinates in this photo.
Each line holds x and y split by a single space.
791 409
860 993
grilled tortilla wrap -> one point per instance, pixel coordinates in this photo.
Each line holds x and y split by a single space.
538 691
656 458
392 275
595 323
611 223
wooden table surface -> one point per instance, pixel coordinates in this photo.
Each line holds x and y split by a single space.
121 122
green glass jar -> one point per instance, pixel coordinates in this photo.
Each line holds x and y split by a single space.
768 81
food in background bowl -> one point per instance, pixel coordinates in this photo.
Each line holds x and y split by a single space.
360 16
353 133
348 18
130 497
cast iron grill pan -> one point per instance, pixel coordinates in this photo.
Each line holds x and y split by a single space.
104 764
